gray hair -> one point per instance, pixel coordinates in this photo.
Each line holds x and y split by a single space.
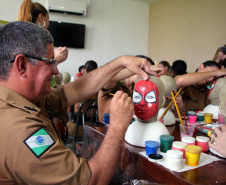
21 38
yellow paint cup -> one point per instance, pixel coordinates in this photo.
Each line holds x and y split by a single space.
192 155
208 117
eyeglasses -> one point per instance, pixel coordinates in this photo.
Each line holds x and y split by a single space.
54 62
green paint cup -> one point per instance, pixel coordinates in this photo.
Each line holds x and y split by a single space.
200 116
166 143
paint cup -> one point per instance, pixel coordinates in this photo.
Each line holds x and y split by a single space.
189 140
220 118
208 117
174 159
192 119
106 118
200 116
192 155
166 143
191 113
186 131
178 145
155 157
202 141
99 127
151 147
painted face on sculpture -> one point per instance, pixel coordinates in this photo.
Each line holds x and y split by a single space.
145 99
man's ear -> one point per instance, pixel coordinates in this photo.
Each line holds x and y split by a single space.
21 65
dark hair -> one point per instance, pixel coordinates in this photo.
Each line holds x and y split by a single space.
211 63
165 63
90 65
179 67
148 59
80 68
224 63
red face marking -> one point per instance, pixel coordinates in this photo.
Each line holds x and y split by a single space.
145 99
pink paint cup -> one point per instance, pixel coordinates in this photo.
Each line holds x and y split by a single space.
178 145
220 118
188 140
192 119
202 141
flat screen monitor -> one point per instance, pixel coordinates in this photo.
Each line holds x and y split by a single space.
67 34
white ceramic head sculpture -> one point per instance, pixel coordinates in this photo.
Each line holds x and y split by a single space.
213 96
170 85
215 89
222 101
66 78
148 98
58 79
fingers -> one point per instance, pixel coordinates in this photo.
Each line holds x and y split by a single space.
217 131
213 138
223 128
123 96
213 146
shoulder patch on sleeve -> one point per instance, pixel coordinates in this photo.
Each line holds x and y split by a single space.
39 142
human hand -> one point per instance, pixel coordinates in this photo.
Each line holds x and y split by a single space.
218 142
121 111
221 73
138 66
220 56
157 70
178 99
61 54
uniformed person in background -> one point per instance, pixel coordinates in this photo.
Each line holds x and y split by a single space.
195 87
31 151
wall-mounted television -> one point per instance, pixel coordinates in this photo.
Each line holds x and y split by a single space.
67 34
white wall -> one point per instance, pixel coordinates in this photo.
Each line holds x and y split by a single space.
113 28
190 30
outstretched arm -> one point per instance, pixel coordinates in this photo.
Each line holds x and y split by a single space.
185 80
126 74
91 83
104 163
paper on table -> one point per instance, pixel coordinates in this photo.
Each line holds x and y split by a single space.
204 159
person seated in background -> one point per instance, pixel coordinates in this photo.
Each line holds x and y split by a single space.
78 75
81 68
223 64
88 67
124 84
166 68
35 154
194 85
37 14
220 55
179 67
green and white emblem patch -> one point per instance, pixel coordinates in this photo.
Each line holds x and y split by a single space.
39 142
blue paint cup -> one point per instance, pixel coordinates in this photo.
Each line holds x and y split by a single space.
151 147
106 118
